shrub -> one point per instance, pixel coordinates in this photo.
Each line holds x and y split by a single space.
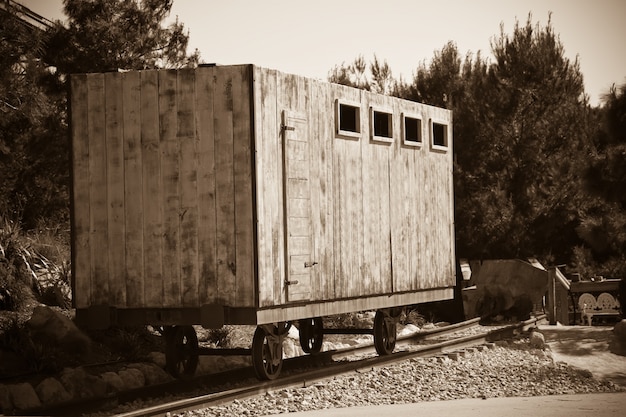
34 265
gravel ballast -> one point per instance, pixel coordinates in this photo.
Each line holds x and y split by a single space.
508 369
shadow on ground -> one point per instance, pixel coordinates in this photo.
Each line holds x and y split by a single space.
588 347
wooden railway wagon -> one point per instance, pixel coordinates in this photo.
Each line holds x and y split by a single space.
243 195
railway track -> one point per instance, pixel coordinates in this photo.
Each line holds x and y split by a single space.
300 371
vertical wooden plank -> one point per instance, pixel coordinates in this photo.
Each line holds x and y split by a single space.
269 185
243 194
170 192
133 183
81 255
98 224
188 187
207 229
397 216
224 186
416 192
376 258
151 190
320 145
353 214
348 202
114 132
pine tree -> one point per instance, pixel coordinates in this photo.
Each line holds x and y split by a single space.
105 35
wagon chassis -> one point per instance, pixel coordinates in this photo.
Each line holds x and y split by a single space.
182 350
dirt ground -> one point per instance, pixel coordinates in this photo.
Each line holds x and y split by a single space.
588 347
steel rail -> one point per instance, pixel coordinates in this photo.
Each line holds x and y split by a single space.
310 377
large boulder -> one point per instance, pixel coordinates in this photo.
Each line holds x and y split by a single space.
51 391
51 327
81 384
537 340
152 373
508 288
20 397
113 381
132 378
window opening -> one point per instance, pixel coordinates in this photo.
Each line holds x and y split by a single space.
381 125
412 130
348 119
439 135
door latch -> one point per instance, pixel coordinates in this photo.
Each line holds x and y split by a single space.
284 127
309 264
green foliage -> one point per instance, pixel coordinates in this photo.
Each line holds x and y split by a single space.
603 227
132 343
33 141
538 172
39 356
104 35
520 138
379 80
17 281
33 268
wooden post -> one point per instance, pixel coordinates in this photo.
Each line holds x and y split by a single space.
552 295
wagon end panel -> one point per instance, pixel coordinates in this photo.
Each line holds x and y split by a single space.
162 204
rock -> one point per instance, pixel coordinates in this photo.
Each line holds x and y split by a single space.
291 348
51 391
132 378
408 330
158 358
113 381
152 374
537 340
23 396
81 384
620 333
50 326
293 333
507 287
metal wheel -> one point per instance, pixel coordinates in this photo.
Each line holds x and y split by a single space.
311 334
384 333
267 350
181 351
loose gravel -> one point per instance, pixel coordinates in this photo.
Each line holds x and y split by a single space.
508 369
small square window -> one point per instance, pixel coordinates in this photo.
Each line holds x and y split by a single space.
381 124
412 129
439 135
348 119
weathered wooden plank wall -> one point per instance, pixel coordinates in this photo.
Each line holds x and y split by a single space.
381 212
182 195
154 225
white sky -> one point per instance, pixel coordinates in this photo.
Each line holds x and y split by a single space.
311 37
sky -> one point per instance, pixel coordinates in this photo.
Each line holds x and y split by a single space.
311 37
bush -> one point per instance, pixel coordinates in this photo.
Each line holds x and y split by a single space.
33 267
